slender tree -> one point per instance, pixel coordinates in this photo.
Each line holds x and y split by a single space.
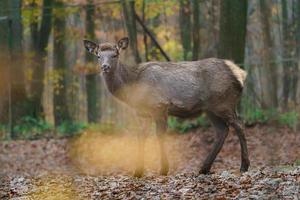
287 66
145 40
61 113
4 25
129 15
4 62
233 22
269 69
11 31
16 68
297 35
40 35
91 79
196 29
185 28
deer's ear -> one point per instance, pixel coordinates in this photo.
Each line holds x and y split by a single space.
123 43
91 46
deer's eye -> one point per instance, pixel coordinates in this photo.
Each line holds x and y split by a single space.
115 55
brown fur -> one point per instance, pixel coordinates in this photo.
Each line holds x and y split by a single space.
182 89
107 47
185 89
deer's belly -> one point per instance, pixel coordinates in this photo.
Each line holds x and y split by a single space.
184 111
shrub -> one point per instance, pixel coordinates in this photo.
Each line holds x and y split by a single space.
297 163
184 126
3 132
31 128
69 128
257 115
289 119
104 128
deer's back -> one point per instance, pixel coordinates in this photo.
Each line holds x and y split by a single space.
186 88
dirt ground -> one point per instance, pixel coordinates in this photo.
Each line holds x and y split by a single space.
100 167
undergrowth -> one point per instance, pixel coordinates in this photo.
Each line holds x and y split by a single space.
30 128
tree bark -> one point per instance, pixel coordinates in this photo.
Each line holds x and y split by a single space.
40 42
4 62
286 54
196 30
152 37
144 33
14 106
4 25
129 15
185 28
233 23
91 79
61 113
270 71
18 92
297 65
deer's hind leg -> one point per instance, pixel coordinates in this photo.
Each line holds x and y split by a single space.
221 128
239 129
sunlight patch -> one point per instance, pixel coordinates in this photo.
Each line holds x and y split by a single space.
95 153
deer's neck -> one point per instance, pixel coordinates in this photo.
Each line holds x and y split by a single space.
121 77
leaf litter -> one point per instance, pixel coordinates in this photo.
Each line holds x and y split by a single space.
96 167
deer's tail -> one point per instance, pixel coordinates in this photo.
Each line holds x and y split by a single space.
238 73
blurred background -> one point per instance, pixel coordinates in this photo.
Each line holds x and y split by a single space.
50 86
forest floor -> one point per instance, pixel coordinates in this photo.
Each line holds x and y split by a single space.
100 167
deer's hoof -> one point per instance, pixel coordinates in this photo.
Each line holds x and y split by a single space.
138 173
245 166
204 171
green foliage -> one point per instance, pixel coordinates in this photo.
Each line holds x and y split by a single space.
184 126
257 115
297 162
3 131
289 119
68 128
104 128
31 128
202 121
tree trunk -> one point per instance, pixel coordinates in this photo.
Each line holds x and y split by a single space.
297 66
40 42
91 79
270 71
18 92
129 15
233 23
4 26
4 62
196 38
185 28
144 33
286 54
14 106
61 113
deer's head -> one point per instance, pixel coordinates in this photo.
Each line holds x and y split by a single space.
107 53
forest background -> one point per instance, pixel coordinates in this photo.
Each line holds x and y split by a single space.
49 87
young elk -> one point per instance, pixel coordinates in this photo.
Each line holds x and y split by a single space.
183 89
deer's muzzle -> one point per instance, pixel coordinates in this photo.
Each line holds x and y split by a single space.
105 68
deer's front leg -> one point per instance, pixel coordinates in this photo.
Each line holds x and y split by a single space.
161 128
141 136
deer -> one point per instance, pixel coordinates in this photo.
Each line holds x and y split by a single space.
156 90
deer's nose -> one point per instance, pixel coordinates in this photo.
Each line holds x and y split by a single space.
105 67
